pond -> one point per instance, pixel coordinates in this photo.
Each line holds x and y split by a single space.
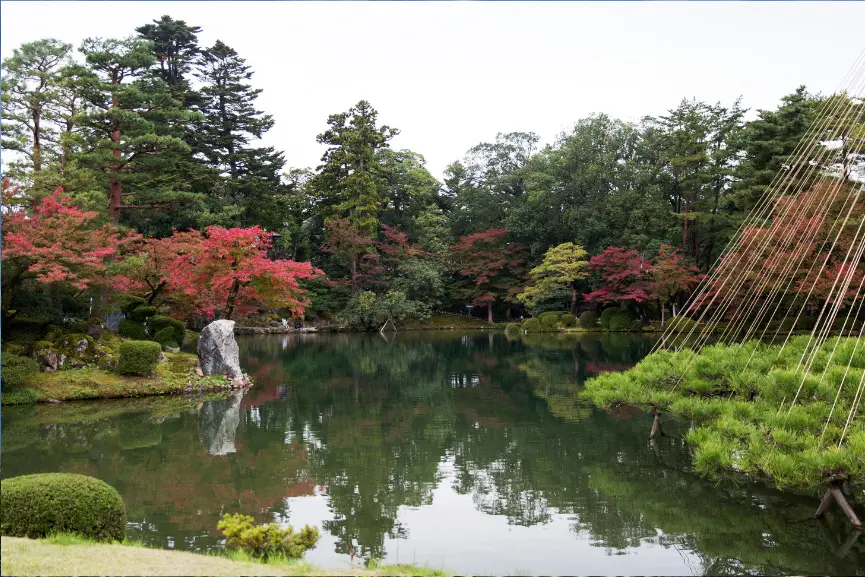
463 450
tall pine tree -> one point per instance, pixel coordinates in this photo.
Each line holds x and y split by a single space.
249 191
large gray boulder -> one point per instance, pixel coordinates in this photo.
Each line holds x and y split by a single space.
218 353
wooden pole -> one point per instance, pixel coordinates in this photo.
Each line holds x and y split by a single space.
656 426
834 493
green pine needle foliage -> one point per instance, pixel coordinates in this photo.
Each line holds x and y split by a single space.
738 401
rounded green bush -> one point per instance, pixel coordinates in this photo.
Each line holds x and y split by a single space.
606 314
138 357
162 336
38 505
512 328
16 369
532 325
588 319
568 320
550 314
159 323
621 321
131 330
682 323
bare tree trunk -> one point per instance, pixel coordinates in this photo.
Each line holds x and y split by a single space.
490 313
232 297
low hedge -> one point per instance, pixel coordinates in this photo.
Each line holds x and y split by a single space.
131 330
606 314
588 320
138 357
160 323
16 369
164 336
532 325
512 328
568 320
39 505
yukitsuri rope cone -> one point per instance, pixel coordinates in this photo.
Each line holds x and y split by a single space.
788 410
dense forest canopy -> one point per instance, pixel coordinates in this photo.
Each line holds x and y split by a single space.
157 136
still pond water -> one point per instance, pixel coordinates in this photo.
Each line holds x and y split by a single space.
467 451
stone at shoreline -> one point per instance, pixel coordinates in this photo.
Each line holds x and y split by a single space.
218 353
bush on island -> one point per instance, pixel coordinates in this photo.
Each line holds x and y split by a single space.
160 323
39 505
532 325
138 357
621 321
588 319
512 328
568 320
606 314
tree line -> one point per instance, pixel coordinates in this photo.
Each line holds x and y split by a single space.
158 138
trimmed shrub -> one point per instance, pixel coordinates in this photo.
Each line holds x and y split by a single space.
16 369
38 505
549 323
621 321
18 396
588 319
158 323
130 303
606 314
550 314
681 323
263 541
568 320
138 357
141 313
131 330
512 328
532 325
164 335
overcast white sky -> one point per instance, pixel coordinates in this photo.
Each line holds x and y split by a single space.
452 74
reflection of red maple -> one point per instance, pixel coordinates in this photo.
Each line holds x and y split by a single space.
598 367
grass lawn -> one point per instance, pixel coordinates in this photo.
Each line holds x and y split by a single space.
69 555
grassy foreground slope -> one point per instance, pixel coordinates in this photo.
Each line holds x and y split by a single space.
70 556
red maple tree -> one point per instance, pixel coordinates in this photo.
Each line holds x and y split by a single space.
625 276
225 270
59 243
673 276
494 267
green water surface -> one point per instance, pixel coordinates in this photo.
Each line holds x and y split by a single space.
467 451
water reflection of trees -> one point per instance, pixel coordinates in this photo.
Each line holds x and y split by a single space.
370 421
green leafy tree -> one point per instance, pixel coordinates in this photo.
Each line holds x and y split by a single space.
563 267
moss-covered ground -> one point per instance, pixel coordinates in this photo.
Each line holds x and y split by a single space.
176 375
738 402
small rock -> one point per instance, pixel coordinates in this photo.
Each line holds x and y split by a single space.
94 331
81 346
199 372
48 359
53 401
172 349
162 358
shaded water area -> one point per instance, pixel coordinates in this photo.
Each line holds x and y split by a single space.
468 451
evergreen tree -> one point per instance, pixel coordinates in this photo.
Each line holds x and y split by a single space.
249 191
350 180
123 143
174 44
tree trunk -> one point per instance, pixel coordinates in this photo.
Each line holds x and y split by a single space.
37 140
574 302
662 315
232 296
490 313
685 228
114 186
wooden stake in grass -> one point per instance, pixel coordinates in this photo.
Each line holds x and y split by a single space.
834 493
656 426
